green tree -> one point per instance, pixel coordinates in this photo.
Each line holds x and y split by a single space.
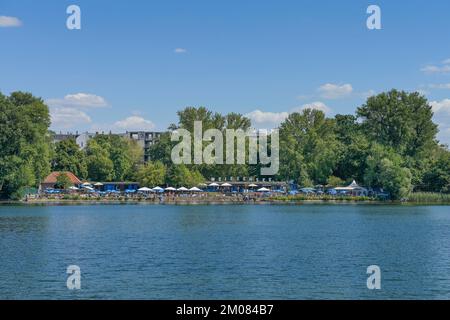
68 157
335 181
399 120
395 179
124 154
151 174
24 143
308 147
181 176
100 167
63 181
353 147
437 178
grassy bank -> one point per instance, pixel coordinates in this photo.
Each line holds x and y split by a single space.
418 198
429 197
325 197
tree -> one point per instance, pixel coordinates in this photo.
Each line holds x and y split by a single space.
151 174
100 167
335 181
181 176
69 157
352 151
437 178
63 181
161 151
399 120
384 169
210 120
308 147
124 154
395 179
24 143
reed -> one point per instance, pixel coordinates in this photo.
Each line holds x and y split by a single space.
429 197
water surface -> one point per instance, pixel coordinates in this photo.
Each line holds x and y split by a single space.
225 251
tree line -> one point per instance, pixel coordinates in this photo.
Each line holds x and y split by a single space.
390 143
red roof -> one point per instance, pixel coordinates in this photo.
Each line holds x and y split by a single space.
54 175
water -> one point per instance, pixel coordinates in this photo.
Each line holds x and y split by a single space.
225 252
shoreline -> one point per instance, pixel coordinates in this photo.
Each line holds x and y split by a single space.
191 202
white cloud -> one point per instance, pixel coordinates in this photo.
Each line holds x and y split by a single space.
263 119
315 105
446 61
368 93
440 86
134 123
8 22
271 119
431 69
441 111
441 106
334 91
180 50
65 118
79 100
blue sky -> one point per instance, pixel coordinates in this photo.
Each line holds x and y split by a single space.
122 70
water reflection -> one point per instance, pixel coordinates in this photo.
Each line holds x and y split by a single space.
204 252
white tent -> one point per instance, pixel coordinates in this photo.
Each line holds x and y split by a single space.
86 184
98 184
263 190
213 184
182 189
226 185
145 189
252 185
195 189
170 189
158 189
354 189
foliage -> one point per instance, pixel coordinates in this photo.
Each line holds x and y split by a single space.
390 143
307 147
181 176
24 143
429 197
335 181
69 157
124 154
63 181
100 166
151 174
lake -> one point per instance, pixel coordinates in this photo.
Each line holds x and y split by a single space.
311 251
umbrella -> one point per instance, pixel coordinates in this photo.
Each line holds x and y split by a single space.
226 185
213 184
252 185
158 189
170 189
263 190
195 189
98 184
86 184
182 189
145 189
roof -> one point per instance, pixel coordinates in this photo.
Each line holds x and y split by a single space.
52 177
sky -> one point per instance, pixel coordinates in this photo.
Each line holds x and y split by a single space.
134 64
